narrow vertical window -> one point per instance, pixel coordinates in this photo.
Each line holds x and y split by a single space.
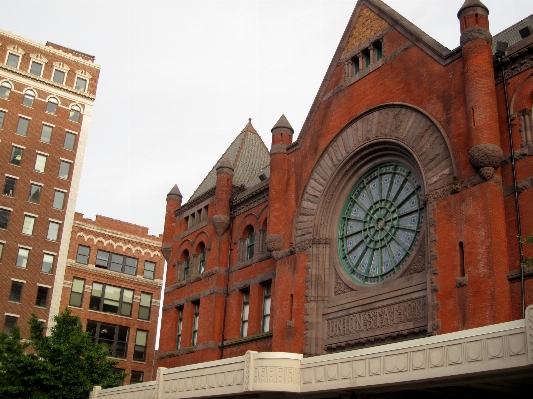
178 331
201 260
461 259
4 218
265 325
81 84
473 118
9 186
9 323
59 76
48 263
27 227
2 116
250 241
64 170
195 320
15 295
53 231
22 257
145 306
22 126
186 263
1 250
76 293
149 270
139 352
83 254
5 90
59 198
245 313
16 156
42 296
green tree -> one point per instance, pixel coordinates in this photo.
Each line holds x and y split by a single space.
527 240
64 365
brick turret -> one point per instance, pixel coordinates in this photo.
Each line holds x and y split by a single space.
221 218
281 137
485 153
174 198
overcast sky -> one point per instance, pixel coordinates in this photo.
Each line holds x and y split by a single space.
180 79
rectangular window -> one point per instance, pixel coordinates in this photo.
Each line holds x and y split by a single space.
145 306
36 68
201 261
83 254
15 295
22 126
22 257
2 116
245 313
53 231
265 325
9 323
70 140
113 336
4 218
81 84
16 155
42 296
9 186
178 332
111 299
149 270
13 60
27 227
35 193
46 134
59 198
76 292
48 263
136 377
116 262
64 170
40 163
59 76
139 352
195 320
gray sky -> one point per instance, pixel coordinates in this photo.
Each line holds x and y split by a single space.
180 79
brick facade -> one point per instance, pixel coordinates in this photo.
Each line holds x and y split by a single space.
392 95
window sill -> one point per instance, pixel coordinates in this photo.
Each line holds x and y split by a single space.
18 303
8 196
12 164
41 307
34 203
21 267
138 362
110 314
248 339
21 135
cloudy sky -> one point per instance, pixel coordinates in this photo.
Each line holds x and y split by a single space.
180 79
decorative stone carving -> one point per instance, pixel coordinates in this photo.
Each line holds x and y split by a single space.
486 158
274 242
475 33
221 223
340 286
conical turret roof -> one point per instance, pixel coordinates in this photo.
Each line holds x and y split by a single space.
472 3
282 122
174 192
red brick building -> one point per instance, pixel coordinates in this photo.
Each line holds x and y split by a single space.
47 94
113 281
391 217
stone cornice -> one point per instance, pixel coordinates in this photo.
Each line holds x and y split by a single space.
105 272
194 297
156 244
245 340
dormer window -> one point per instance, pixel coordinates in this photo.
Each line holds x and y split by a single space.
13 60
59 76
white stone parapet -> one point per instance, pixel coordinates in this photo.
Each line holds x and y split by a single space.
485 350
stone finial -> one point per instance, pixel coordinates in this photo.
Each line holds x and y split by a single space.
282 123
472 3
174 194
225 166
249 127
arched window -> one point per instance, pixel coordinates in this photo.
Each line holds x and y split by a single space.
201 259
29 97
51 107
186 264
5 90
75 113
250 240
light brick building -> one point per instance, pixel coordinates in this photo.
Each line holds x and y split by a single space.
113 281
47 94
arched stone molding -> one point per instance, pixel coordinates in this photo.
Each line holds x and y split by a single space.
185 245
393 132
251 219
523 95
202 236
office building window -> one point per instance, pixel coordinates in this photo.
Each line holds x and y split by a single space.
2 116
117 263
113 336
16 155
22 257
111 299
29 97
59 198
40 163
245 313
81 84
15 295
9 323
46 134
29 223
53 231
83 254
22 126
35 193
145 306
13 60
136 377
5 90
4 218
70 140
139 352
265 325
9 186
36 68
195 320
76 292
51 105
59 76
64 170
42 296
178 332
74 115
149 270
48 263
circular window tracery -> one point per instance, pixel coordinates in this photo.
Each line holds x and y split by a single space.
380 223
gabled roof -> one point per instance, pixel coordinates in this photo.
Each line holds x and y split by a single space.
249 157
511 35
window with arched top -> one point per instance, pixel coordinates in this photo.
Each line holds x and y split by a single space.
201 258
5 90
51 106
186 264
29 98
250 242
74 113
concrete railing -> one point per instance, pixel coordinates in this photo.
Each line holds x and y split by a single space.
486 350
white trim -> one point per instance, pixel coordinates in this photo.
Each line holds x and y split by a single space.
36 183
55 97
2 241
48 124
38 59
25 117
20 281
24 246
55 220
66 160
11 314
31 214
60 189
6 208
18 146
87 80
42 153
5 110
71 131
14 177
49 252
42 285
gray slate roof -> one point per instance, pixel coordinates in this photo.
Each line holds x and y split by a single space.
511 35
248 155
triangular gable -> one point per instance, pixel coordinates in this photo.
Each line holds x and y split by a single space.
369 18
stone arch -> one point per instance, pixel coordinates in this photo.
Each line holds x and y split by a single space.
393 132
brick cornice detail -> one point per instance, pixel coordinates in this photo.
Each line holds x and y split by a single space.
93 269
154 243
